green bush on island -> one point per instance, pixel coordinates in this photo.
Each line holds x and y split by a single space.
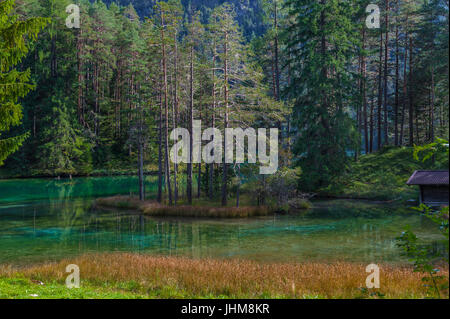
279 191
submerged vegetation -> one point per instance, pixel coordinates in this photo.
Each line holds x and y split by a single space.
141 276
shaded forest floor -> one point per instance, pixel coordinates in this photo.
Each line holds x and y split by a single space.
381 176
126 275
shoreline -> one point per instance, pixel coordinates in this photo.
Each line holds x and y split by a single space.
319 195
62 177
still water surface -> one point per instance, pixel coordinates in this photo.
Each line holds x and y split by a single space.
42 220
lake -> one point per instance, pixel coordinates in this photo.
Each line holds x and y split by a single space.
46 220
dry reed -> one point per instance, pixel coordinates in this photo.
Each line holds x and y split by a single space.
154 208
234 278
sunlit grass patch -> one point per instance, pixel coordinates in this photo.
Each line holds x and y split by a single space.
19 287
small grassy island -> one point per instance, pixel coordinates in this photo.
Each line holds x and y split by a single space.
199 208
153 208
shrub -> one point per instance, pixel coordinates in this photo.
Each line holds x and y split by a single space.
279 191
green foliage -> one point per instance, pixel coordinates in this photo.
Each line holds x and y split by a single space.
424 256
279 190
382 175
19 287
249 13
65 151
322 87
431 28
429 150
15 35
110 72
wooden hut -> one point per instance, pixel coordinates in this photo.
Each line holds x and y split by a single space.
433 186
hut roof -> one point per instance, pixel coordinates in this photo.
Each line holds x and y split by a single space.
428 178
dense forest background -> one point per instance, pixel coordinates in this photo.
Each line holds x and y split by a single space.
108 94
250 14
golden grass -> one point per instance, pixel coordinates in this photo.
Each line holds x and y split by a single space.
154 208
232 278
122 202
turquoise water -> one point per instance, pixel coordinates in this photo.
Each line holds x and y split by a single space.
45 220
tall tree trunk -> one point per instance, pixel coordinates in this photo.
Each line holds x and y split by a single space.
277 68
358 107
364 97
199 175
325 71
166 109
238 187
274 81
159 197
213 120
80 78
175 115
433 158
141 157
411 110
119 98
432 106
372 105
405 86
396 83
416 129
191 124
96 103
199 179
386 58
225 168
380 92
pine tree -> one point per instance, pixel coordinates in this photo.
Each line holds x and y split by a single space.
230 53
323 37
64 149
14 84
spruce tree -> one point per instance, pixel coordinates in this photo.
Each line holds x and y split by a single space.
323 39
64 149
14 84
